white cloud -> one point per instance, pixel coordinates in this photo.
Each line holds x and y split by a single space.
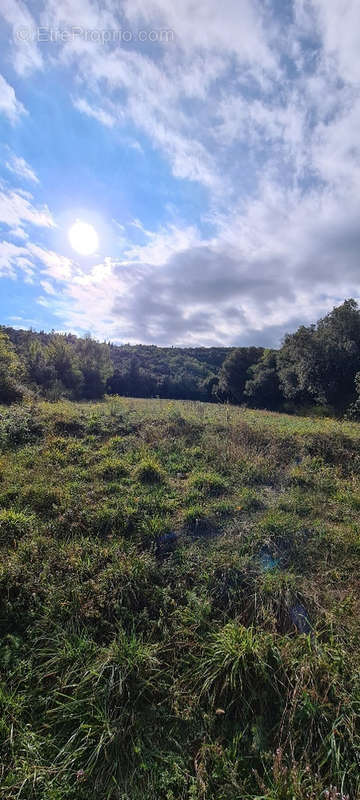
16 207
48 287
9 105
338 25
21 168
56 266
100 114
25 55
262 110
19 233
12 257
35 262
163 244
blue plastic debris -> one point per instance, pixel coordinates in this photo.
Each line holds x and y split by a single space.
267 561
299 618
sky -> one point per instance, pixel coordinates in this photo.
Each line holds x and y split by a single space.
214 149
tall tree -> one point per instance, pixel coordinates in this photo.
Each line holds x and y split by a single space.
319 363
96 366
10 371
235 372
263 387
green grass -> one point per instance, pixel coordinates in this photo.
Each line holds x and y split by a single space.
156 558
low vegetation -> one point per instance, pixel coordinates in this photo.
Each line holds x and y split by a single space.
179 603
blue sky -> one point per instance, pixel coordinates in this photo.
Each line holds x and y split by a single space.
213 147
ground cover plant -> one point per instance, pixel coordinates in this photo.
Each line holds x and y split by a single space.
179 611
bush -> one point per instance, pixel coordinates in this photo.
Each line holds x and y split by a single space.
149 471
279 523
210 483
112 469
43 500
19 425
69 426
249 501
235 661
13 525
115 445
196 520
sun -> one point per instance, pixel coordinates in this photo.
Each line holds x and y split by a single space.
83 238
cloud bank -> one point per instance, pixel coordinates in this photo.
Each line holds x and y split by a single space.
257 105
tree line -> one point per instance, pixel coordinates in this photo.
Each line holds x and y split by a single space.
318 365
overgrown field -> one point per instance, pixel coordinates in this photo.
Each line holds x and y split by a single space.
180 604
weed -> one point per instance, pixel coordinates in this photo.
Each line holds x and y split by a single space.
13 525
209 483
179 605
149 471
112 469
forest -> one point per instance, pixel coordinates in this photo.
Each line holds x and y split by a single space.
316 368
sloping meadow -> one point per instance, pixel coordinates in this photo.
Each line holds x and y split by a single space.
179 606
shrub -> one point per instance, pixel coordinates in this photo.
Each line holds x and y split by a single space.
196 519
235 660
43 500
13 525
8 497
69 426
112 469
149 471
210 483
19 425
279 523
115 445
249 501
75 452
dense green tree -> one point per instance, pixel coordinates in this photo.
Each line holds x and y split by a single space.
297 365
40 371
235 372
338 334
10 371
316 364
263 387
65 360
96 366
319 363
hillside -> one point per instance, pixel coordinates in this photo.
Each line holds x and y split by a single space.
317 367
179 603
133 370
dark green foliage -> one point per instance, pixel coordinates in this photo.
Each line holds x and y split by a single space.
262 389
173 372
315 368
10 371
13 525
319 363
354 409
112 469
235 372
56 365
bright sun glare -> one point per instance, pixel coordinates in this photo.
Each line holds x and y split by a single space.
83 238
